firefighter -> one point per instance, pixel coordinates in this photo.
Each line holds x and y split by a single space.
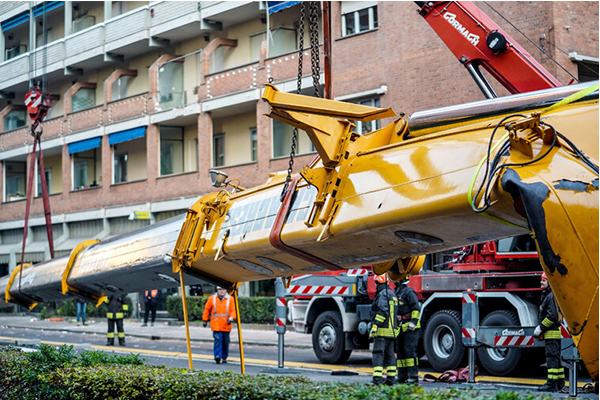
384 331
410 327
220 308
150 305
117 305
549 331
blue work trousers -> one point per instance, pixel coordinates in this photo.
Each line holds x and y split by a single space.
221 345
81 311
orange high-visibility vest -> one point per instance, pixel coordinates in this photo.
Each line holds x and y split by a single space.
219 311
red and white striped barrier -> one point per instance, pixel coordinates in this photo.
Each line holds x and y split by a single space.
357 272
468 298
523 340
468 333
335 290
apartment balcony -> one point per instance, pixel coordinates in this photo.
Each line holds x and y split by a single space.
281 68
14 73
222 14
175 20
127 35
9 9
85 49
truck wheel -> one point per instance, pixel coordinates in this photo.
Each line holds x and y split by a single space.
499 361
443 340
328 339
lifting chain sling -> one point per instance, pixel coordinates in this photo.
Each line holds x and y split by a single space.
313 26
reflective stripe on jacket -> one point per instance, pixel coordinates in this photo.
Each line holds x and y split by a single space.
116 307
548 316
384 312
219 311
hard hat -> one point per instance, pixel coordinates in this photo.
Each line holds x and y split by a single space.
405 280
219 287
380 278
544 276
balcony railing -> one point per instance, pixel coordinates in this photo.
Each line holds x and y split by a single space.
125 26
84 41
49 57
166 11
14 70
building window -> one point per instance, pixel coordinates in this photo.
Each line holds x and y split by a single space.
14 120
120 168
119 88
369 126
14 178
219 150
282 41
282 140
14 51
171 150
48 176
587 71
40 40
170 85
358 20
83 99
86 165
254 144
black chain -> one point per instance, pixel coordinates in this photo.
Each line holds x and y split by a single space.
315 67
294 144
314 44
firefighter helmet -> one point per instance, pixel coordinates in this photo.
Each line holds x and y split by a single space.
381 278
544 276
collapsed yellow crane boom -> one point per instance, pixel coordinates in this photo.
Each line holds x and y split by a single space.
393 195
384 198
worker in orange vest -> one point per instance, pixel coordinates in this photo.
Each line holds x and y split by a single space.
220 308
150 305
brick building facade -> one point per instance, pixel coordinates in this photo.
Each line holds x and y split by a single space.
190 76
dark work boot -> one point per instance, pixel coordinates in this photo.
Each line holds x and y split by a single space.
560 384
110 341
121 341
412 379
550 386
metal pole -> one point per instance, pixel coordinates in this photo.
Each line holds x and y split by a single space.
185 318
239 327
472 365
573 379
280 317
470 327
327 49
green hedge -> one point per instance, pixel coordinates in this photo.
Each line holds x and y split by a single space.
59 374
254 310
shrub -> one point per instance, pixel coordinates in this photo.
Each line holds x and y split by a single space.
60 374
255 310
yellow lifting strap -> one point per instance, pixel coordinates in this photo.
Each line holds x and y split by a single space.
69 288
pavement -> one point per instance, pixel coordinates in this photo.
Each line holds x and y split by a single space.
262 335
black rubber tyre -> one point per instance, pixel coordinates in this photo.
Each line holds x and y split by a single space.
499 361
443 340
328 339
